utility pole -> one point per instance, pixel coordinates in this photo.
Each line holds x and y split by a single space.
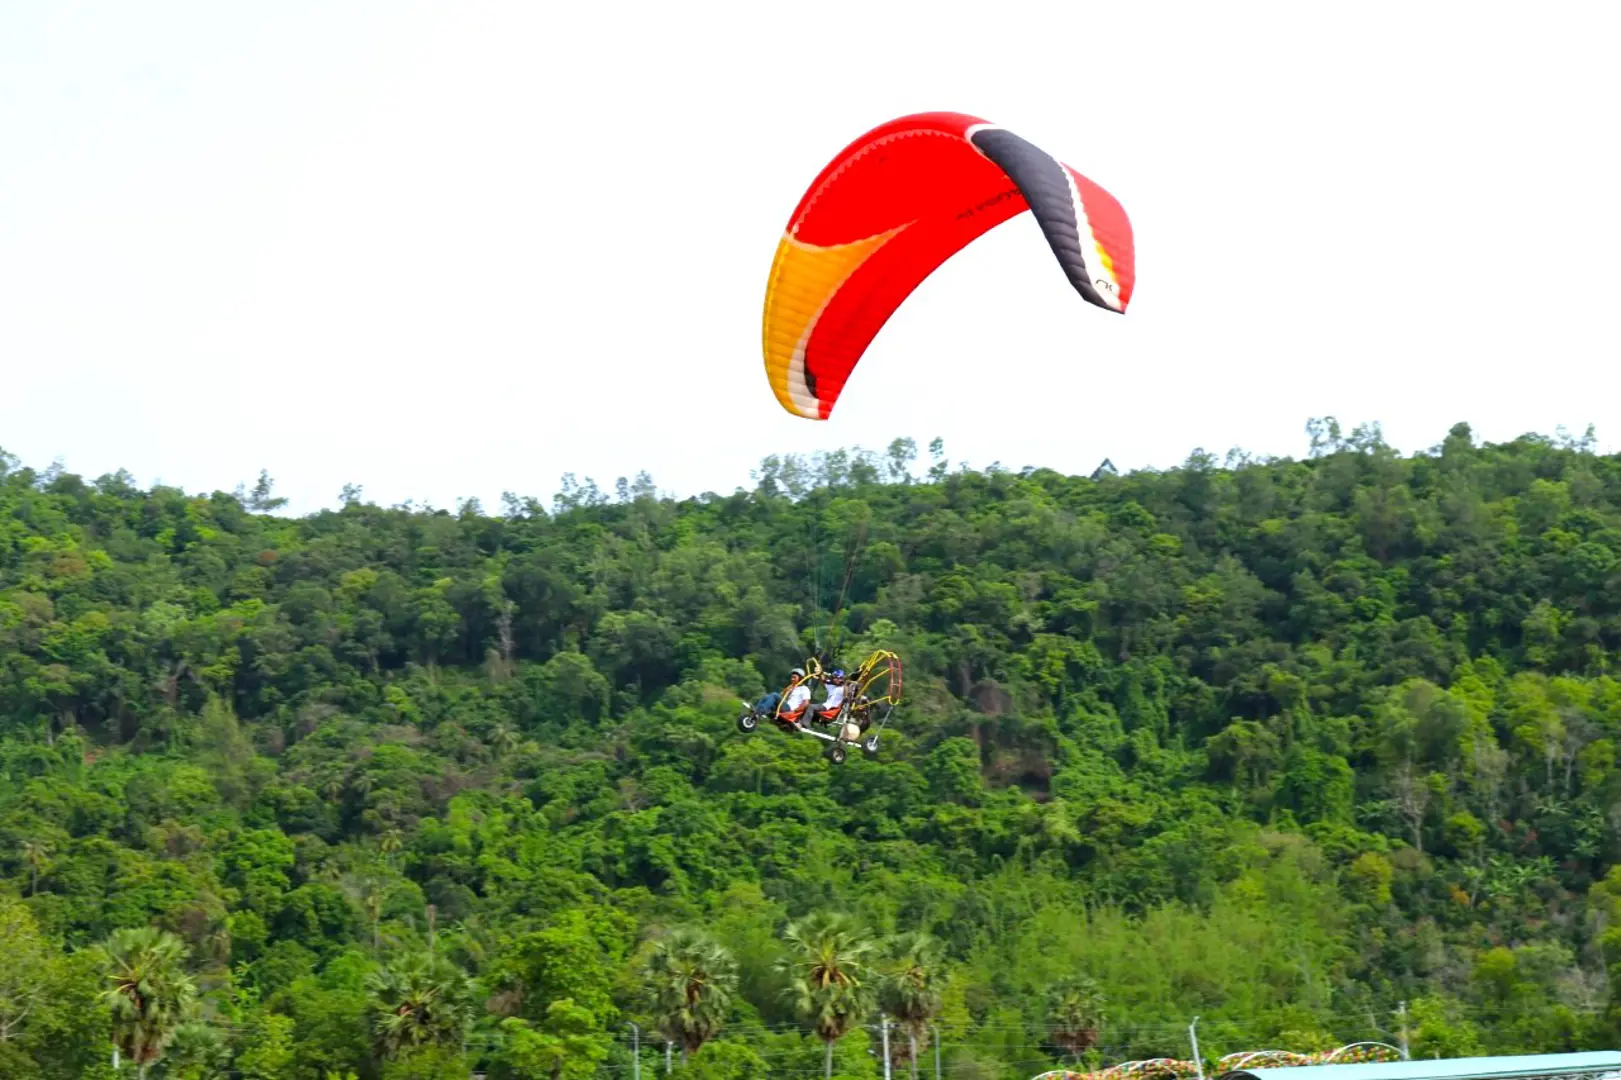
635 1052
1401 1013
1193 1037
936 1028
883 1025
667 1045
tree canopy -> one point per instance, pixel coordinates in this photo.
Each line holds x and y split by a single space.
387 792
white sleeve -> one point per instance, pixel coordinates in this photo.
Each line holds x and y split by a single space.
835 697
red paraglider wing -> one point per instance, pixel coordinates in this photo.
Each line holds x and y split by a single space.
893 206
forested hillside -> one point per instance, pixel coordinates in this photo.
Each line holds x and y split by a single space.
404 792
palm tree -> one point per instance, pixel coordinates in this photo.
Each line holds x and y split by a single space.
911 987
691 982
389 844
418 1001
830 981
504 739
151 995
36 853
1076 1015
367 891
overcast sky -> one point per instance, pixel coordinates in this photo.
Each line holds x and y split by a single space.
448 250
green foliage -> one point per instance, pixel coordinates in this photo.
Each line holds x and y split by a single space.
417 1002
267 1051
830 981
49 1014
405 792
690 981
726 1060
910 991
151 996
564 1045
430 1062
1076 1014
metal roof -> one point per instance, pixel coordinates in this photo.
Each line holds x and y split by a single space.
1478 1068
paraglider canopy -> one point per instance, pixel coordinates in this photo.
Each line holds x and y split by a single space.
893 206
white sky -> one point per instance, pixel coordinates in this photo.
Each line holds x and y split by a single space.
443 250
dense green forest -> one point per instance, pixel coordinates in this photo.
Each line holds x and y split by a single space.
1317 750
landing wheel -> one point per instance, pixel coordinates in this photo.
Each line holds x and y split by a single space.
747 721
869 746
835 754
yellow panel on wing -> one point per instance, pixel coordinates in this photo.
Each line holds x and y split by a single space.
804 278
